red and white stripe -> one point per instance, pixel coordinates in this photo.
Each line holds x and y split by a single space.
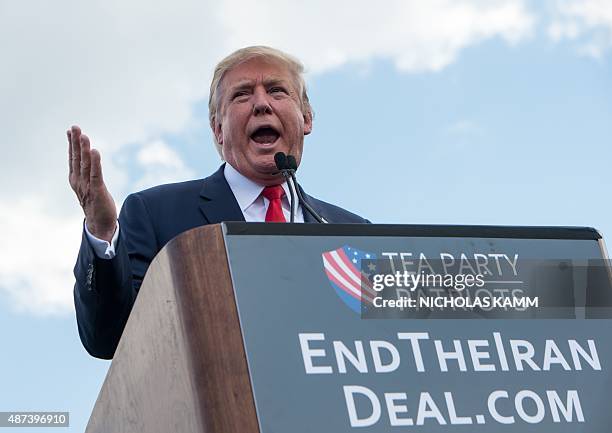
345 275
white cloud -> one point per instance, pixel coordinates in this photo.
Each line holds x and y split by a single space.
415 35
130 72
160 164
35 265
588 22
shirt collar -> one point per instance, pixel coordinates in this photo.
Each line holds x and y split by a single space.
246 190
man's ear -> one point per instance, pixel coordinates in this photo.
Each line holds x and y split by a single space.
308 122
217 130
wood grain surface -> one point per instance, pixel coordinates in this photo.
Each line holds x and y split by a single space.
180 365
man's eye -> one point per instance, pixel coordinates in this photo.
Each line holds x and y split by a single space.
277 90
239 94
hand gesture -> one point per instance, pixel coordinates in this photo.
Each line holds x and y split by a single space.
87 182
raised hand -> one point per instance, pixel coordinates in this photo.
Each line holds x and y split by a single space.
86 181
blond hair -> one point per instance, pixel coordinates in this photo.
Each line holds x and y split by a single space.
296 69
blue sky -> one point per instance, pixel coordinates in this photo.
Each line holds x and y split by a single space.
493 113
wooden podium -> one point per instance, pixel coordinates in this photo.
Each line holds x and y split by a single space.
180 365
253 327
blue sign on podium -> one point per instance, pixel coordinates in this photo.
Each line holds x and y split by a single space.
424 328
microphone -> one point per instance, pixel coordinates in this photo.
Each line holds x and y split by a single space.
280 159
292 168
291 162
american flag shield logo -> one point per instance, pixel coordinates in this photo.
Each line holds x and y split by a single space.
343 269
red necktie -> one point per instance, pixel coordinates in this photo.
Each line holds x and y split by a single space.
274 194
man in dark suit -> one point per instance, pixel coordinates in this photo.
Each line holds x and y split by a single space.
258 106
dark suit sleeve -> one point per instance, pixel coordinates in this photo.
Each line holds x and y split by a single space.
105 290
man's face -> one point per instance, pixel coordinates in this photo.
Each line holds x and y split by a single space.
260 114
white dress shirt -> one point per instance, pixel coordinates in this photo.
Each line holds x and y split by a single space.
252 204
248 195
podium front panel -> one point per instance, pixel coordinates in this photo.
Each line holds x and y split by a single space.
318 364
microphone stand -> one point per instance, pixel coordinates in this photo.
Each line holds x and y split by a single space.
287 166
303 202
287 177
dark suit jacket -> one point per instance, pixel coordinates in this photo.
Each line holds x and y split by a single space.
105 290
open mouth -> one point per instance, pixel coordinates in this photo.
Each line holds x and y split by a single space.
265 135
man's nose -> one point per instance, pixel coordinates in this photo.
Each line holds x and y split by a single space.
261 105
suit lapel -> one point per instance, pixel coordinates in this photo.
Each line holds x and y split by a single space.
315 205
217 201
